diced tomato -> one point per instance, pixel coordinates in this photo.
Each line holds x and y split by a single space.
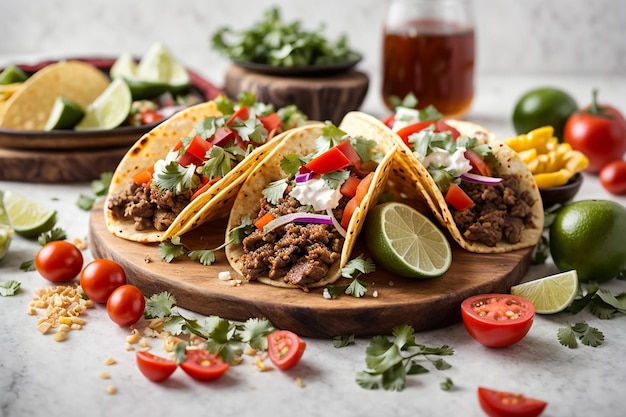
242 113
508 404
203 365
364 187
479 166
150 116
265 219
222 136
389 120
198 147
144 176
271 122
349 186
178 145
285 349
457 198
348 211
187 159
409 130
329 161
441 126
348 150
153 367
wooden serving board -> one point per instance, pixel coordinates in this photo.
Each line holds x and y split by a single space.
424 304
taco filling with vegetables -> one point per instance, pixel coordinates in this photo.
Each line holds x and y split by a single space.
170 181
308 200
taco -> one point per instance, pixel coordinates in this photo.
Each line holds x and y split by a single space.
307 201
477 187
188 169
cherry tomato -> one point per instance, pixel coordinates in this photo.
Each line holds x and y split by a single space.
125 305
59 261
203 365
100 277
285 349
508 404
497 320
599 131
613 177
154 367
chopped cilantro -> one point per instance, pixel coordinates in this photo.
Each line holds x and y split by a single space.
9 288
275 191
174 177
290 164
336 178
55 233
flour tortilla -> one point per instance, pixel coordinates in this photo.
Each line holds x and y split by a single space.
410 178
155 145
301 141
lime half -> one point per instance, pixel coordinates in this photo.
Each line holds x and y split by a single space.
551 294
12 74
28 218
65 114
405 242
110 109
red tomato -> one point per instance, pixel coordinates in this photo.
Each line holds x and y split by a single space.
150 116
285 349
479 166
198 147
389 120
598 131
497 320
364 187
349 186
125 305
613 177
457 198
271 122
348 150
59 261
329 161
407 131
100 277
508 404
242 113
348 211
154 367
203 365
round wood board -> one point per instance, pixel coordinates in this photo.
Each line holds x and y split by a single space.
423 304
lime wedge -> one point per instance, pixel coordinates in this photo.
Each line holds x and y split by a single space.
158 65
12 74
110 109
28 218
405 242
141 89
551 294
124 66
65 114
6 236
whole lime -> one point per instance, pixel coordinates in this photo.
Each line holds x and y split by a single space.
588 236
544 106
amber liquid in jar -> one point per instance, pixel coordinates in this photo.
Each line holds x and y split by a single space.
434 60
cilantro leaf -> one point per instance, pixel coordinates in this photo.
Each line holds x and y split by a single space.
9 288
275 191
171 176
238 234
169 250
55 234
159 305
85 202
27 266
224 340
358 266
588 335
255 333
353 269
290 164
336 178
357 288
446 384
218 164
206 256
343 340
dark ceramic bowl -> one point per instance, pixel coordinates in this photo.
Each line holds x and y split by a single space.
563 193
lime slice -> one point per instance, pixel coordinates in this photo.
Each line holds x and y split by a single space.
551 294
124 66
65 114
12 74
405 242
141 89
28 218
110 109
158 65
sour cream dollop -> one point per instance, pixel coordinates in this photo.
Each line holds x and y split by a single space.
316 193
455 163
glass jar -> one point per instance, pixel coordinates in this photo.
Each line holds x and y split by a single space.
429 50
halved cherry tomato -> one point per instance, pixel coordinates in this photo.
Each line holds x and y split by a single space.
100 277
153 367
479 166
349 186
329 161
271 122
497 320
59 261
285 349
242 113
348 150
144 175
203 365
198 147
457 198
348 211
265 219
125 305
508 404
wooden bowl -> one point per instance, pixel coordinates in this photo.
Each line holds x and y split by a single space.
563 193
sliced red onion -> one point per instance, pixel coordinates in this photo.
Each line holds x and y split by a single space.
337 225
307 176
480 179
297 218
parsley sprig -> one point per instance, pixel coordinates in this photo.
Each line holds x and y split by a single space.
354 268
391 360
588 335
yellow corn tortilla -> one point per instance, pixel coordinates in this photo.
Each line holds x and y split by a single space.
412 179
29 106
301 141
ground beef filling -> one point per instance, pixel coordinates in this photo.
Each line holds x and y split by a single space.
148 207
499 213
297 253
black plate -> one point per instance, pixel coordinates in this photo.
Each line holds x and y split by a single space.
311 70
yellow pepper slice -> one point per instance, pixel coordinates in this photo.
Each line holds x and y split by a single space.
553 179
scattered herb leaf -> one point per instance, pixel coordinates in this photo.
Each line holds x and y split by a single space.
9 288
588 335
343 340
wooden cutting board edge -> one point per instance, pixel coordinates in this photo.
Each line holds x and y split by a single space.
423 304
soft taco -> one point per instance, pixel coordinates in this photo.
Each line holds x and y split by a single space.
188 169
308 200
475 185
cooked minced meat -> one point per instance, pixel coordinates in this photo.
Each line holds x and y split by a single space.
297 253
499 213
148 207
